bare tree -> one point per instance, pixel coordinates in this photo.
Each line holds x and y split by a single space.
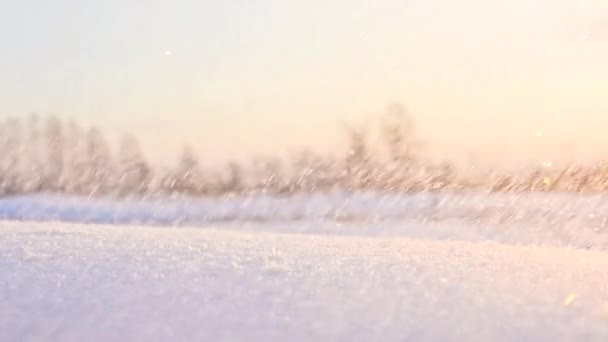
270 177
187 177
358 171
234 182
135 174
30 167
441 177
12 148
313 173
73 178
398 134
54 142
99 172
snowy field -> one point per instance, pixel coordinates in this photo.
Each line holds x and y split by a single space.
335 267
567 220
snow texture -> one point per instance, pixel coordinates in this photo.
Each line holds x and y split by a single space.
554 219
365 267
74 282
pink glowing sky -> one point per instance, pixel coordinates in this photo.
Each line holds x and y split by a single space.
480 77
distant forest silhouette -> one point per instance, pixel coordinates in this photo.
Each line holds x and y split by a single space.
48 155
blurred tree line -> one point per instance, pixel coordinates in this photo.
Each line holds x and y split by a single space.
48 155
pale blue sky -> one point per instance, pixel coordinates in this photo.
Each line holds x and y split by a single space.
240 77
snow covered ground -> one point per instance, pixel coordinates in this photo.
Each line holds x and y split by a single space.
324 267
67 282
579 221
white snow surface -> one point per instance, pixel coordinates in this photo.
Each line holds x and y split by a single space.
78 282
552 219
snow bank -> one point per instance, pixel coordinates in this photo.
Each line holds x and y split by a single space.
539 219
